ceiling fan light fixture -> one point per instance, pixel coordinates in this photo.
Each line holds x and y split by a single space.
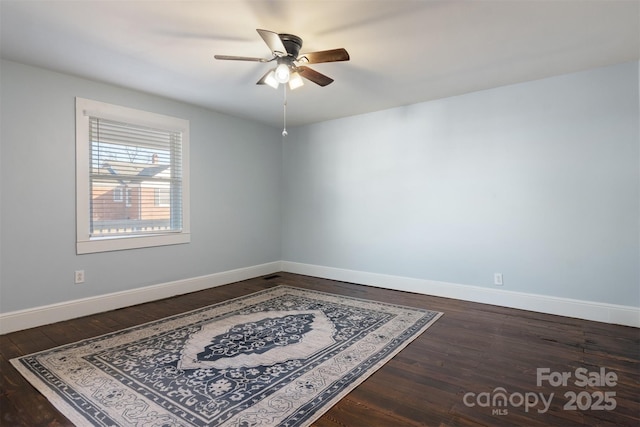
282 73
295 80
271 80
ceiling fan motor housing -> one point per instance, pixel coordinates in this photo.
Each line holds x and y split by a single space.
291 43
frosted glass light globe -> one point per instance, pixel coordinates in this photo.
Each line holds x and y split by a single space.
282 73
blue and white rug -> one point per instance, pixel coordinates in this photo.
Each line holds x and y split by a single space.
279 357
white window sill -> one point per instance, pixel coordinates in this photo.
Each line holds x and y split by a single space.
130 242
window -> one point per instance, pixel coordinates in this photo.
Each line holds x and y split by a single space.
107 213
162 197
117 194
135 157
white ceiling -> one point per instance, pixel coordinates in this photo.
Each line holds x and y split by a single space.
402 52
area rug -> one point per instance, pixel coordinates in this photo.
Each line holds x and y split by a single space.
278 357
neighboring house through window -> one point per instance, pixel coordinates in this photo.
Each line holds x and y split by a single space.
136 157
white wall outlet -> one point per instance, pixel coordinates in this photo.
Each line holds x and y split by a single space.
79 277
497 279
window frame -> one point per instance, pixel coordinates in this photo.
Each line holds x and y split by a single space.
86 108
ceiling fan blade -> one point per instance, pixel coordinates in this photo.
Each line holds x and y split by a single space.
240 58
314 76
333 55
274 42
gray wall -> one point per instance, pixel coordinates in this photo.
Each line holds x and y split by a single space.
538 181
235 194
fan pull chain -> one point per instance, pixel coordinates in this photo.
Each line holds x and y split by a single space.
284 130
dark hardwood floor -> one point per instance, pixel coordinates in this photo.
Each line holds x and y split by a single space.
443 378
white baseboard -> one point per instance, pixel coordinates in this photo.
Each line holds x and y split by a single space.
587 310
44 315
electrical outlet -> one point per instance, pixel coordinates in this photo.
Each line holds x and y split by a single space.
497 279
79 277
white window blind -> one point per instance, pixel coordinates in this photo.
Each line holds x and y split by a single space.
139 162
132 184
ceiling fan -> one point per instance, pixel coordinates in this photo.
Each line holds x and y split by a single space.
291 66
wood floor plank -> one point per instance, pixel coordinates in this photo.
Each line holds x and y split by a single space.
474 348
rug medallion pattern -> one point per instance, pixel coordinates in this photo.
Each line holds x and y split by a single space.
282 357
